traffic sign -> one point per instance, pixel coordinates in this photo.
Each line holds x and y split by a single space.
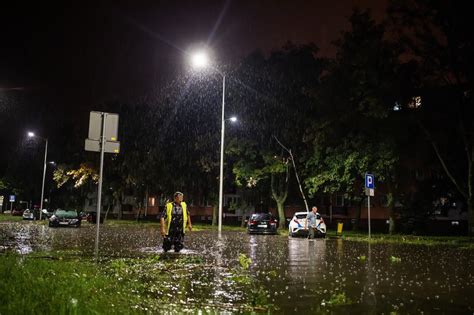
109 146
111 126
12 198
369 181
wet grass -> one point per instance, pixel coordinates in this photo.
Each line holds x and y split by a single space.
64 283
4 217
458 241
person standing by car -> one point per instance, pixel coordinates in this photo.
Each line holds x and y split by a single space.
173 221
311 221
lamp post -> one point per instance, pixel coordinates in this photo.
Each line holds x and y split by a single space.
200 60
32 135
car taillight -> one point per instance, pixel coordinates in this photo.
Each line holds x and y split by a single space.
253 221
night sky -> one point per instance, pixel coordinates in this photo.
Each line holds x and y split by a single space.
71 58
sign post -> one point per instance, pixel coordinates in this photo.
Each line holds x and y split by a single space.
12 200
103 129
369 191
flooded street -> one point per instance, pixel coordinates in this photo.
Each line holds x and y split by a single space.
300 275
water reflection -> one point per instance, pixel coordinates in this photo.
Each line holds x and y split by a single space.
306 259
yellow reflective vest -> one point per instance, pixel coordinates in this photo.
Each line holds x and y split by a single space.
169 208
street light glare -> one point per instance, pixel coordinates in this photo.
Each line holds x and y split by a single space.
233 119
200 60
31 134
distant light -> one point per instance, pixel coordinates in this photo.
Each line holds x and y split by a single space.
199 60
233 119
52 163
31 134
397 107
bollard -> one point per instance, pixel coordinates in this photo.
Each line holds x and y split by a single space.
339 228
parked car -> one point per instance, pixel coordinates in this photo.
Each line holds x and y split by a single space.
17 212
298 222
34 214
28 215
262 223
63 217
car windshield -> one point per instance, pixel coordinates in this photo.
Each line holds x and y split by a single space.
261 216
68 214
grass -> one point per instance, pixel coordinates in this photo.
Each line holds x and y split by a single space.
63 283
6 217
461 241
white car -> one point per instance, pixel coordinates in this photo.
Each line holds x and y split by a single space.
298 222
28 215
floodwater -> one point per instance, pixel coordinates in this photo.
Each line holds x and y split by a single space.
303 276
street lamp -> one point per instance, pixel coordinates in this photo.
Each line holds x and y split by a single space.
200 60
32 135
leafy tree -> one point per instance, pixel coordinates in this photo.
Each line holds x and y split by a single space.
436 36
74 183
274 104
354 103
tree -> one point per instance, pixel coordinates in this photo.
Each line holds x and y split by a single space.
274 103
436 37
354 104
75 181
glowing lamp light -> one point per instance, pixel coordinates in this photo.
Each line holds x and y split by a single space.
200 60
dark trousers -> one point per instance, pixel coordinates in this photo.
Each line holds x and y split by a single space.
173 240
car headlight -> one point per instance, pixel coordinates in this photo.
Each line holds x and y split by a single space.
73 221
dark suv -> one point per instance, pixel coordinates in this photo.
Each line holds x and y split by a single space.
262 223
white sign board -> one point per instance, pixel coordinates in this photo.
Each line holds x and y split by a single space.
110 146
111 126
12 198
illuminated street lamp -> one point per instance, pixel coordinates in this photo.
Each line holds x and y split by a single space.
200 60
32 135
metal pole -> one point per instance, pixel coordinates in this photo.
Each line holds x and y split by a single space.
44 176
221 175
146 202
368 211
99 192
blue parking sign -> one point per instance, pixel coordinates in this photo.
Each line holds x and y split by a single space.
12 198
369 181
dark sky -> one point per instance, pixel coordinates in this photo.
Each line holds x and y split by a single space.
69 58
108 50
